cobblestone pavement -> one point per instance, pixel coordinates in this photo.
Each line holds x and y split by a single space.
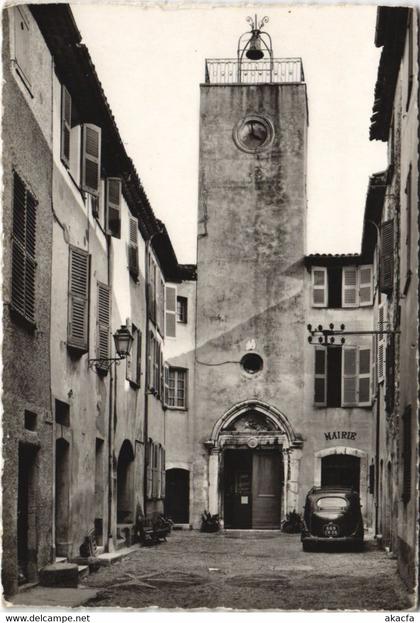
249 570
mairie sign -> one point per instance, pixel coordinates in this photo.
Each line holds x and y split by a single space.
340 434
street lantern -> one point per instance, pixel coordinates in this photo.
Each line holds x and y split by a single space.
123 341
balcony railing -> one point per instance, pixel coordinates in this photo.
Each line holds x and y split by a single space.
230 71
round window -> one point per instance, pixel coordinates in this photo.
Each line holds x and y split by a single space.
253 133
252 363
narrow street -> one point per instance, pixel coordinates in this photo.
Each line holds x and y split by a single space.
248 571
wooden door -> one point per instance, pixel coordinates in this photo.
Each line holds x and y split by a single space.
266 490
238 489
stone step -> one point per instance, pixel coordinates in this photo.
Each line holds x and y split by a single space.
83 571
60 575
60 559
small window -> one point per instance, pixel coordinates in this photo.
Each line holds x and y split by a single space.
62 413
332 503
176 388
252 363
23 251
181 309
30 420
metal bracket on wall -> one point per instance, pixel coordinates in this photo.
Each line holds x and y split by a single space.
327 337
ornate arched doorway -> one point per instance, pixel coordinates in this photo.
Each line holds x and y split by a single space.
254 457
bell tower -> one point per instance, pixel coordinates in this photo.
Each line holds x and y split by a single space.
251 245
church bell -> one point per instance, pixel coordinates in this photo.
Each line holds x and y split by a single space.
254 52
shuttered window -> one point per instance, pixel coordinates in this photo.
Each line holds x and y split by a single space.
133 252
406 455
156 367
349 380
113 206
103 322
320 397
319 286
387 257
349 289
149 469
365 285
381 342
151 281
182 309
78 299
65 125
356 378
91 158
364 377
155 470
23 250
161 308
133 369
170 311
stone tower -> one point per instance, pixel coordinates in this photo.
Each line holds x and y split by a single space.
250 308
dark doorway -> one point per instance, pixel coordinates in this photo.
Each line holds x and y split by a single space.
99 490
253 482
125 485
62 496
177 497
26 515
341 470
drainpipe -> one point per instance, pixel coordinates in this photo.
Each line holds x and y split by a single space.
378 415
111 410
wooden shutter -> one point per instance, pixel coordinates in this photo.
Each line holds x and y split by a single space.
91 158
162 472
23 49
320 386
104 313
349 378
386 280
319 286
170 311
162 378
381 342
364 377
162 307
390 374
166 384
149 470
78 310
150 356
154 470
349 287
139 346
371 478
133 252
365 285
134 358
23 250
113 206
65 125
156 366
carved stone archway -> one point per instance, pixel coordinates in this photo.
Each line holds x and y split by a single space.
254 424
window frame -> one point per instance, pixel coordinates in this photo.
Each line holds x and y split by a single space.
176 371
181 309
78 347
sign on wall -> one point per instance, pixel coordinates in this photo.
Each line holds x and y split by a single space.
337 434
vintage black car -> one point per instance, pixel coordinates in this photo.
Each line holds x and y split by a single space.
332 515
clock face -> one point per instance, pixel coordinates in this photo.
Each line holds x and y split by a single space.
253 133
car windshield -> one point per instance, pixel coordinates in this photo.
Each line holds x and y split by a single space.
332 502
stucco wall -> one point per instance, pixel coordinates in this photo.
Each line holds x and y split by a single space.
26 373
252 210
